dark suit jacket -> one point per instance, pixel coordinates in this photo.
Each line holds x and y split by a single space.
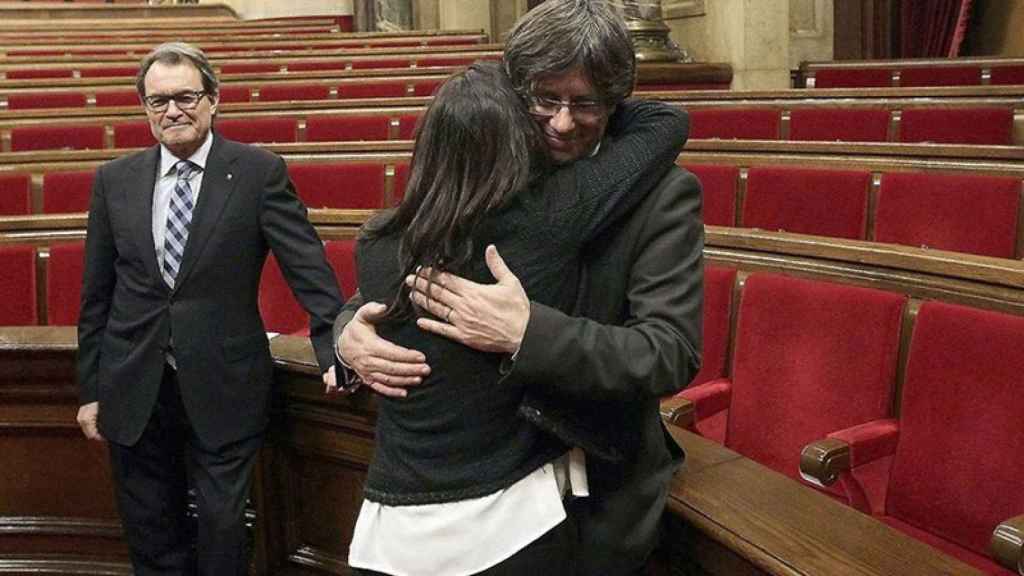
635 338
246 205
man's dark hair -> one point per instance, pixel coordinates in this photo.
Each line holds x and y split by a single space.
561 35
173 53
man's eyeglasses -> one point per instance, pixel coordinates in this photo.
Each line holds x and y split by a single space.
186 100
546 107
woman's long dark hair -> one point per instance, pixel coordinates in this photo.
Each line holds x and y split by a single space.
475 148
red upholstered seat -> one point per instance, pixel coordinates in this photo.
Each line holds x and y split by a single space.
64 283
461 61
314 66
253 68
235 94
958 125
719 187
844 124
133 135
118 98
57 137
284 92
809 357
718 289
999 75
426 87
109 71
830 203
407 124
963 213
954 474
40 73
262 129
738 123
18 286
941 76
32 100
280 310
67 191
341 254
358 185
346 128
380 63
853 78
393 89
15 194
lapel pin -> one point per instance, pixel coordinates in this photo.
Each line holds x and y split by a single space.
230 176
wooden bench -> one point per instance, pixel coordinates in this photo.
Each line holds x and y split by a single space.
306 43
727 514
914 72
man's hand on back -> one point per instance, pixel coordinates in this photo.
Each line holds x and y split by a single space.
385 367
487 317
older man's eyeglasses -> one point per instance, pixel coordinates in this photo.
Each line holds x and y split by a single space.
547 106
186 100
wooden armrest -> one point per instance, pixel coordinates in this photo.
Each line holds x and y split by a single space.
822 461
678 411
1007 544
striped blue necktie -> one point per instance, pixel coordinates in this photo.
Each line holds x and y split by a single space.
179 219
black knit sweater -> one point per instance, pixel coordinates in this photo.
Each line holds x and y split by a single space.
458 435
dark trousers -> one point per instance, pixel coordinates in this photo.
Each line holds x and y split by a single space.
152 479
552 553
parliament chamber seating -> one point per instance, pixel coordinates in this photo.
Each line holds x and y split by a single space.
15 194
952 475
775 341
64 267
18 285
280 310
792 382
913 72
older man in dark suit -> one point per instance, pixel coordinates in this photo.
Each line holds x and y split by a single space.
174 363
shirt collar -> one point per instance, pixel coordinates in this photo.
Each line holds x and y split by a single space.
168 160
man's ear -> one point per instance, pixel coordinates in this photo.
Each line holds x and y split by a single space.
214 101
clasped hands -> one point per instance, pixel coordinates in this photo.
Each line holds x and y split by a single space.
486 317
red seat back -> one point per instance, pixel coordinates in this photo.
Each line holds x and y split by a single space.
853 78
28 100
718 184
810 357
118 98
64 283
347 128
357 185
18 286
284 92
341 254
958 125
67 191
133 135
252 130
280 310
382 89
15 194
999 75
67 137
735 123
941 76
956 473
830 203
847 125
963 213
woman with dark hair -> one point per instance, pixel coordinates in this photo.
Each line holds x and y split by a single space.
453 485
